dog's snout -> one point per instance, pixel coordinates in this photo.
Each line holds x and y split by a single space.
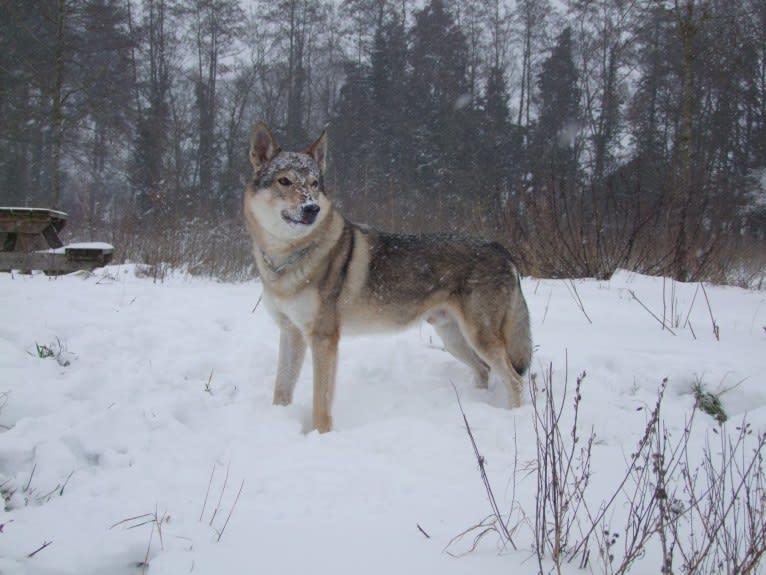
309 213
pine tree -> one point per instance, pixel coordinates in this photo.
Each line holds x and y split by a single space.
293 26
102 60
498 162
215 25
387 91
441 111
351 136
27 41
147 170
558 123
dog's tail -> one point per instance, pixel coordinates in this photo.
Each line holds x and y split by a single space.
518 334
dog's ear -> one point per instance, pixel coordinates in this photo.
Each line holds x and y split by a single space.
263 146
318 151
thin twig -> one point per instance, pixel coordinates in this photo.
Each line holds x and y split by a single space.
575 294
220 496
635 297
145 564
716 327
691 306
642 445
722 390
423 531
31 475
131 519
66 482
204 503
36 551
484 530
159 521
150 521
547 304
481 461
225 523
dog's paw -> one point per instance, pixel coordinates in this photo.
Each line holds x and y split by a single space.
282 399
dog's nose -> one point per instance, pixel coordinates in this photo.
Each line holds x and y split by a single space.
309 213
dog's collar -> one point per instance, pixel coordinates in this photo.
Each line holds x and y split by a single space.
292 259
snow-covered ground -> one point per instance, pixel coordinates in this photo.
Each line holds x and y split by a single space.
157 409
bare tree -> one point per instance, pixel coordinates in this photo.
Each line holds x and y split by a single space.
531 20
687 14
57 99
214 28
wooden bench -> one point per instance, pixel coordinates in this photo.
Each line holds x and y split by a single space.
29 240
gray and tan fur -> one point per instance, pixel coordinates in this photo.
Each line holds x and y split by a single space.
323 275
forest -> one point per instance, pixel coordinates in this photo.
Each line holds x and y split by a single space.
585 135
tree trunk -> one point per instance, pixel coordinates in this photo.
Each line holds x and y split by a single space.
57 111
682 192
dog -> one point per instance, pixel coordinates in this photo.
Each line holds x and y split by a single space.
324 275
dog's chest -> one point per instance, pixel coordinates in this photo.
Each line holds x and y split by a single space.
301 308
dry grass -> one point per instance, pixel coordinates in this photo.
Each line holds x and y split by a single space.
678 507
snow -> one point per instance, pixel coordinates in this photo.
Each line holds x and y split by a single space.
80 246
24 209
90 246
167 396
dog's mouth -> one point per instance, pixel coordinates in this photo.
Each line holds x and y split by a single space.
307 215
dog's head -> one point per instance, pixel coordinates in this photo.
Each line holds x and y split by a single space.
286 196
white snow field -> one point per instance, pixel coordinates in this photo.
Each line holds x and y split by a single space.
148 442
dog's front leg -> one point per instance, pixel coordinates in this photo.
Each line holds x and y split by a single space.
292 350
324 351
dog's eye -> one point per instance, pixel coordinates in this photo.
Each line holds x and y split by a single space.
285 181
315 184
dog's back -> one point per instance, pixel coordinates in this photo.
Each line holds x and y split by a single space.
415 275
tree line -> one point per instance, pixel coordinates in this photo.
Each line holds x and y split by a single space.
586 135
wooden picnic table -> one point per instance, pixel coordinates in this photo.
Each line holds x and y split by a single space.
29 240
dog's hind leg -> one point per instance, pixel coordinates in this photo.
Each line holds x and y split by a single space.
491 347
496 355
292 350
454 342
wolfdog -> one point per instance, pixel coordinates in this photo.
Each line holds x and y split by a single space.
323 275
